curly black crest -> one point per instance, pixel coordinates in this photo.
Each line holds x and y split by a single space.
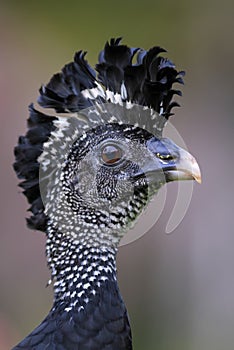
148 82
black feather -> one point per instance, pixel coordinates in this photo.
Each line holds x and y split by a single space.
26 164
63 91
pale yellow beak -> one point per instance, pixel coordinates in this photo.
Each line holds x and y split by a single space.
187 168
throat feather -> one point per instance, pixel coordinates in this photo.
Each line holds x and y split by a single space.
78 271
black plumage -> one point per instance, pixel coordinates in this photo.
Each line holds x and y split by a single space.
87 174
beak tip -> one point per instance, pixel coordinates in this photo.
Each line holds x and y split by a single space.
196 172
198 179
190 166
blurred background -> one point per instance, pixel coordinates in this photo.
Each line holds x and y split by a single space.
179 288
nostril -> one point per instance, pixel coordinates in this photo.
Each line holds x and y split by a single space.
165 157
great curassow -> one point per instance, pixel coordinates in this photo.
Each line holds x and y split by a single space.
89 169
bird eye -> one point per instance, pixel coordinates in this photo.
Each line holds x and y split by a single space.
165 156
111 154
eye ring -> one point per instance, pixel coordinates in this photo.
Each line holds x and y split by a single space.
111 154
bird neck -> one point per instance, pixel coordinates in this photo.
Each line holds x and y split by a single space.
87 303
79 270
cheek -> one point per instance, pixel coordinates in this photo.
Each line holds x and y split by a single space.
106 184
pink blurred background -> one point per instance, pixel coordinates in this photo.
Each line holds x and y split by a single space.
179 288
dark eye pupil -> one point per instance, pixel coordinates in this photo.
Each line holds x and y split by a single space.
111 154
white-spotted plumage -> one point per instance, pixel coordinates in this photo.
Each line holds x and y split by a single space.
84 205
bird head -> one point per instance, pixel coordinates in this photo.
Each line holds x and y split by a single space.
107 176
91 168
